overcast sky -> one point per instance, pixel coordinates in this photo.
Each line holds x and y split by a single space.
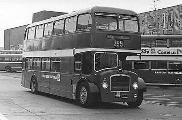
14 13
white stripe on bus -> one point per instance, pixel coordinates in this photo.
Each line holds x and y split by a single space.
71 52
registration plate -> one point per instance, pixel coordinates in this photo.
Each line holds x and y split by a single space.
118 94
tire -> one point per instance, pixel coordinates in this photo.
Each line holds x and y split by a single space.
84 97
138 102
34 86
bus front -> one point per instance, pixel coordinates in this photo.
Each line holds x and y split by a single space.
116 84
102 78
118 30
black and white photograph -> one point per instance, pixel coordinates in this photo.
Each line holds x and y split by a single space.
91 60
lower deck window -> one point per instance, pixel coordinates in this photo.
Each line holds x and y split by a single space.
158 64
175 65
141 65
55 64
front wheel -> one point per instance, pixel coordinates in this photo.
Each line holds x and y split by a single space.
138 102
84 97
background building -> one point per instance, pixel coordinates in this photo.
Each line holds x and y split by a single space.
162 21
42 15
13 37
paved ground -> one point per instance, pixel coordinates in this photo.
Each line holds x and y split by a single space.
167 96
17 103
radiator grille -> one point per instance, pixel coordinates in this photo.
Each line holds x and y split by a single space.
120 83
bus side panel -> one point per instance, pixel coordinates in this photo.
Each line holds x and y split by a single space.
158 76
83 40
67 73
26 78
55 83
44 81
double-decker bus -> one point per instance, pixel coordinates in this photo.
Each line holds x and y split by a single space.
78 56
11 60
161 60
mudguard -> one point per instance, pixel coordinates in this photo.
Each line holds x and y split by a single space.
93 88
141 85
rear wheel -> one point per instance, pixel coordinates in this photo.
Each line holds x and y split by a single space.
33 86
138 102
84 97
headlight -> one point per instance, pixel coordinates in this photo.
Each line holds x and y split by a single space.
135 85
105 85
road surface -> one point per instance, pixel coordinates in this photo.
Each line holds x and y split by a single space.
17 103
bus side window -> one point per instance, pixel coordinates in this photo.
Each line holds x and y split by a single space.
159 65
45 64
161 43
26 34
48 27
55 64
29 63
141 65
175 43
31 33
84 22
59 27
175 65
39 31
70 25
36 64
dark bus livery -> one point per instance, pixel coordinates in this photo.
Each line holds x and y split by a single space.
161 60
79 56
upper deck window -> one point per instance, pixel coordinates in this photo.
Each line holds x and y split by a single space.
39 31
70 25
58 27
106 21
175 43
161 43
48 29
31 33
84 22
128 23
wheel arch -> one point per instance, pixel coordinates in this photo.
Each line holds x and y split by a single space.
92 87
142 85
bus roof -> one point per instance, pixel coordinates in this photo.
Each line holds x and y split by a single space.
160 36
155 58
88 10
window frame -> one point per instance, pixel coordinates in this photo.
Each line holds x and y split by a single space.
63 32
43 60
33 33
37 30
45 31
54 60
87 24
67 31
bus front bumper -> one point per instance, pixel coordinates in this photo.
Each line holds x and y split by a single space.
119 96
